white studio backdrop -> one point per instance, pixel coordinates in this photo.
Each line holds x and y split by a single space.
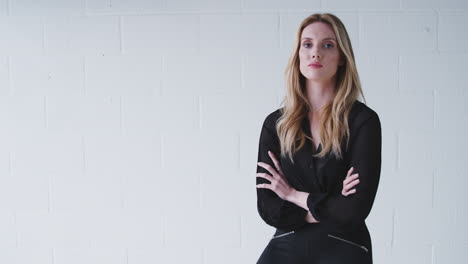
129 129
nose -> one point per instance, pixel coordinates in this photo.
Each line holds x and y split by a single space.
315 54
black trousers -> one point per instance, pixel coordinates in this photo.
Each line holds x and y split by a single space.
313 245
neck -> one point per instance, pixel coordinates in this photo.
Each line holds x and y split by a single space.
320 93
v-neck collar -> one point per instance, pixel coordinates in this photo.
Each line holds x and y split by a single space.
315 163
306 127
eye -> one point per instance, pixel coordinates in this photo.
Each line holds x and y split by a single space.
306 44
329 45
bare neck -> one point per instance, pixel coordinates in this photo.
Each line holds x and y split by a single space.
319 94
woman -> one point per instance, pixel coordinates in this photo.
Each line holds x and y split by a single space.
319 155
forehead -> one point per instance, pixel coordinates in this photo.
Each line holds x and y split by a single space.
318 30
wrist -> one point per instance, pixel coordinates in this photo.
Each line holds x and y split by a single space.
292 196
299 198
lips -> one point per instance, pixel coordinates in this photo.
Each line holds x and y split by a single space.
315 65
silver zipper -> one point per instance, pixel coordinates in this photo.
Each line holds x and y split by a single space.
283 234
363 247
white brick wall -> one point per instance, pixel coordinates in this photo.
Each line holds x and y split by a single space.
111 114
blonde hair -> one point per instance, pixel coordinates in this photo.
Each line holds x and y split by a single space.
334 119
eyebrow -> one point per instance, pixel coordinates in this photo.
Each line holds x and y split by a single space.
322 39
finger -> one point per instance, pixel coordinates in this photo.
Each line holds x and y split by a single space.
264 186
352 184
351 178
349 192
269 168
350 171
275 161
346 188
277 164
344 192
266 176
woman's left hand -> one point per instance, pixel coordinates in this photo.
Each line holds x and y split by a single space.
278 182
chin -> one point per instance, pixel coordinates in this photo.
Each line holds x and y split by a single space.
315 78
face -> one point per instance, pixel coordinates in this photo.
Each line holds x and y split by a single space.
319 45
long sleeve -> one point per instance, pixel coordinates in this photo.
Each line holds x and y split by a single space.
272 209
365 157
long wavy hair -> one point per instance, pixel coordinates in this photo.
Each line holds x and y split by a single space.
334 127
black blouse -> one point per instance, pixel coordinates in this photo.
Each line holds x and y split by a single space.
323 177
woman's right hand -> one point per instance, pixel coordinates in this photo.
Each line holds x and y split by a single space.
349 182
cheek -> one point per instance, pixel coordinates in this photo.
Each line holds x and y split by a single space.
334 57
301 54
302 57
